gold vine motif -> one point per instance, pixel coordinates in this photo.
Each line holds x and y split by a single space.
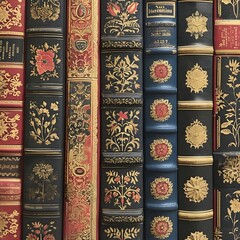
9 126
161 188
9 85
160 71
123 189
224 101
42 121
8 224
196 189
122 19
160 149
161 227
45 10
196 25
9 16
196 134
121 129
122 74
122 234
196 79
197 236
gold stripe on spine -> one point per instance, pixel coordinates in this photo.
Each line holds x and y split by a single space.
227 22
11 147
195 215
226 51
11 33
193 49
17 180
18 66
209 1
10 203
218 209
7 154
195 160
199 105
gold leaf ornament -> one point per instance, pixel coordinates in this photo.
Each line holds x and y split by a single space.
197 236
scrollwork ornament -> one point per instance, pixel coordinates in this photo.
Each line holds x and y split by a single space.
161 227
161 110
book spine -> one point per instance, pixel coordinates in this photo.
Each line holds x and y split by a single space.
44 120
121 206
82 148
160 120
12 34
195 103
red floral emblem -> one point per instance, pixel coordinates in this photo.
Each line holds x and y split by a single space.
113 8
161 150
161 188
160 71
122 115
161 110
31 236
44 61
132 8
161 227
49 237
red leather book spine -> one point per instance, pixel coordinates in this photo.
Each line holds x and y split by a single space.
81 197
12 27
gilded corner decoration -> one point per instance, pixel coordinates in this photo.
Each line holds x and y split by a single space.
161 110
161 188
160 149
161 227
122 18
196 25
160 71
196 79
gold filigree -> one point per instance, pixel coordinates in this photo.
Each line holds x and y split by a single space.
196 134
43 120
122 75
123 189
122 128
196 25
161 110
196 189
234 4
45 10
122 234
160 149
196 79
9 126
217 234
123 219
161 188
230 170
161 227
10 16
8 224
160 71
197 236
224 101
9 84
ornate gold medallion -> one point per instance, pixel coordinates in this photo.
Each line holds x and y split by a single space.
161 227
196 189
161 188
160 149
196 79
196 25
197 236
196 134
161 110
160 71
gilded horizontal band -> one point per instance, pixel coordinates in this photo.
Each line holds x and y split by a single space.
226 22
209 1
195 160
227 51
41 152
195 215
7 154
200 105
195 49
12 37
12 147
10 203
11 33
12 65
17 180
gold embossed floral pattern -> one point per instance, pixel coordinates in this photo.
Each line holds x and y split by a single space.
122 18
42 179
196 79
38 230
122 189
161 110
161 227
122 234
9 16
227 99
196 24
8 224
9 126
161 188
45 61
234 4
43 119
160 71
230 170
9 84
197 236
196 134
122 128
160 149
45 10
122 75
196 189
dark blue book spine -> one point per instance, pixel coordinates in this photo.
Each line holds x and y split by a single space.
160 115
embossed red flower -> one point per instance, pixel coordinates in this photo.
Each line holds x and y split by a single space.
113 8
162 228
31 236
44 61
132 8
49 237
162 188
161 71
161 150
122 115
161 110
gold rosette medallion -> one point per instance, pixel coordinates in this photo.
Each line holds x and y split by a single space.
161 227
161 188
160 149
161 110
160 71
